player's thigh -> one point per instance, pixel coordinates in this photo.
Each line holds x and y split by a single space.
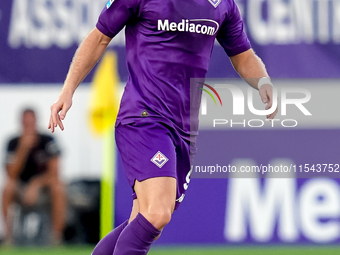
156 193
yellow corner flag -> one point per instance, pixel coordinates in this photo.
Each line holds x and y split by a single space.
104 102
102 116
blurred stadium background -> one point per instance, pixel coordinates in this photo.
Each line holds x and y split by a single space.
299 41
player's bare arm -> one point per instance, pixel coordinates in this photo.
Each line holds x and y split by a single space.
87 55
251 68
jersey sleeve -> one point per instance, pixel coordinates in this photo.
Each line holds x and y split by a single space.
231 35
115 15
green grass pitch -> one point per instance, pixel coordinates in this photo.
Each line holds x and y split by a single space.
86 250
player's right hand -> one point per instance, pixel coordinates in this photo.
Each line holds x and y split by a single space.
266 94
59 110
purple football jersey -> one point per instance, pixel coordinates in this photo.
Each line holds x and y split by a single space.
169 42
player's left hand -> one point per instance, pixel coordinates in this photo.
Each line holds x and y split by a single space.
266 94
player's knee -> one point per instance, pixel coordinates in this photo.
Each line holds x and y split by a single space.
159 219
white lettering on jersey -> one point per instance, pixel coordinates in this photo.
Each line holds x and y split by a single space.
199 26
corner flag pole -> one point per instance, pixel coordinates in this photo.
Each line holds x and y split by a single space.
103 112
107 187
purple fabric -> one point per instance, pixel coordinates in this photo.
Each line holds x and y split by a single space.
168 43
138 145
107 245
137 237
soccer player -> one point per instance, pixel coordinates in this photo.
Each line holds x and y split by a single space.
167 43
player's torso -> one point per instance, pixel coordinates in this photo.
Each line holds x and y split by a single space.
169 42
188 27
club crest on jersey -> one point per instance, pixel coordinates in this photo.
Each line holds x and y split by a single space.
159 159
215 3
109 3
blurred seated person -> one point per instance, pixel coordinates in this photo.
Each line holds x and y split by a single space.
32 161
